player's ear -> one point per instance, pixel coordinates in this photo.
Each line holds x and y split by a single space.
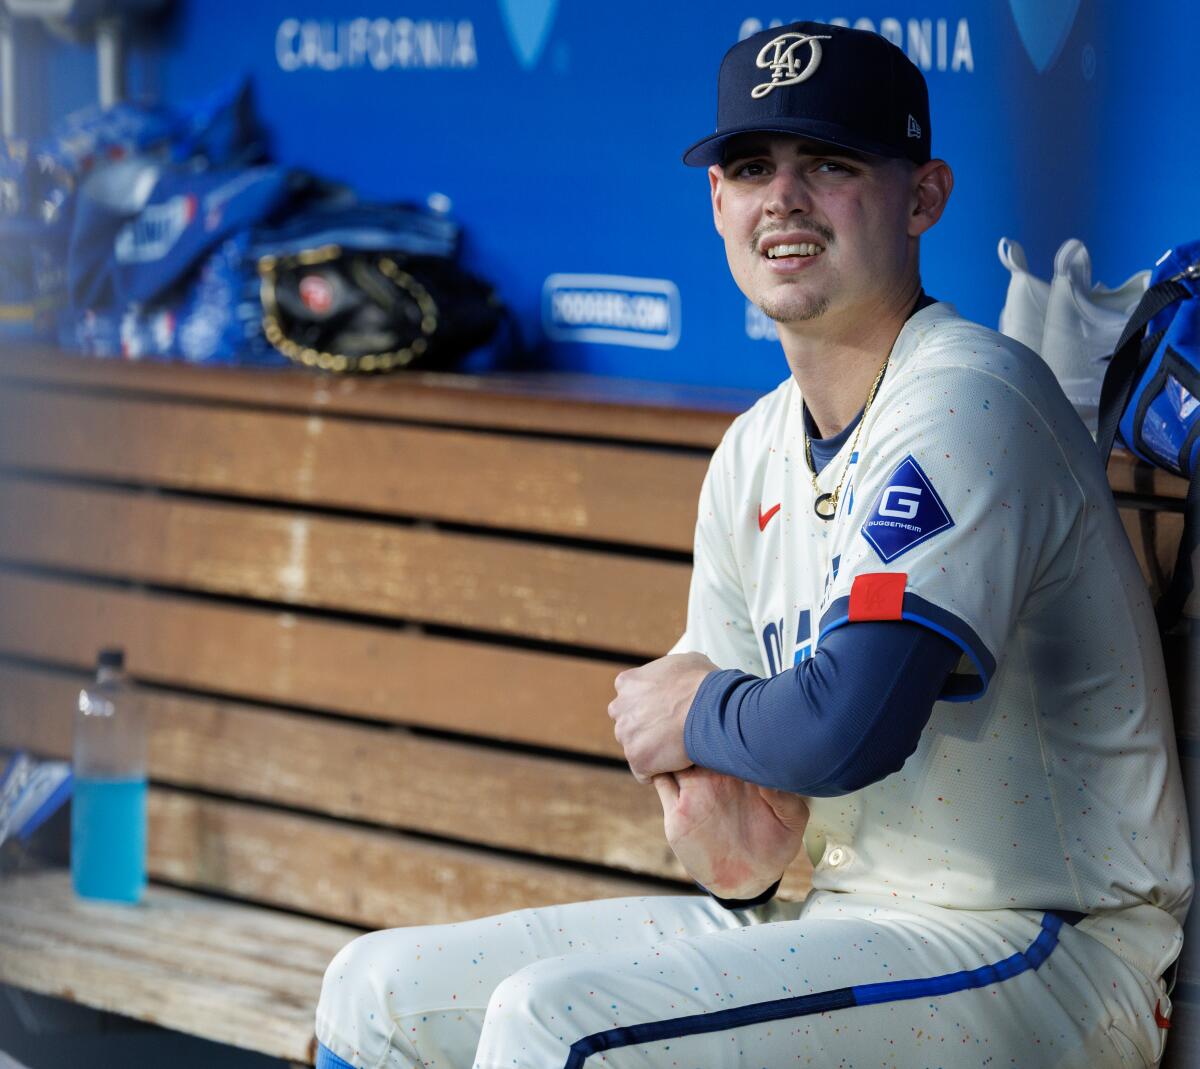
716 183
930 184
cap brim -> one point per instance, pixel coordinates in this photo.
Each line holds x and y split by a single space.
707 151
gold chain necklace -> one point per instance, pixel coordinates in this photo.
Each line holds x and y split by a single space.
826 505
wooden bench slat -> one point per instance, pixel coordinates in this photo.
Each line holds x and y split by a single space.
55 944
285 942
619 493
577 404
377 672
363 876
226 1013
574 596
247 965
1127 474
538 804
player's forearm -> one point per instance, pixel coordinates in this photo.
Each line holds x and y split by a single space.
837 722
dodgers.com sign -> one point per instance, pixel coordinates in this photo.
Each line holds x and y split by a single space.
612 309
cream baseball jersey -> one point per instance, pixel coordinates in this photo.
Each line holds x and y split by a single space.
974 505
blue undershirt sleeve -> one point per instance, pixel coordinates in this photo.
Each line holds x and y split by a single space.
836 722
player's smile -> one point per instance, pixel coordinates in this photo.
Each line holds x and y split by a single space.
791 251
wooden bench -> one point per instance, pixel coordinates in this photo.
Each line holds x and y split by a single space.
376 623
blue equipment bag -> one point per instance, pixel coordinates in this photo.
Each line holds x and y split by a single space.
1151 397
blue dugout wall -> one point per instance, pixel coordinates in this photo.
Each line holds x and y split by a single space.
555 128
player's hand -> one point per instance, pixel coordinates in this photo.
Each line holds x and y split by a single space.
733 837
650 708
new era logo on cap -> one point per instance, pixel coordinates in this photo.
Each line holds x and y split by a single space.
914 127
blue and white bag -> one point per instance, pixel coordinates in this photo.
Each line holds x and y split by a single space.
1151 398
31 791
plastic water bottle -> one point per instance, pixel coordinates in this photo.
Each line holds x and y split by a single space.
108 811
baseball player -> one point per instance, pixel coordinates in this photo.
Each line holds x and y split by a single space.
917 644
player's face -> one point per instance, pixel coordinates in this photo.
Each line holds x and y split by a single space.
811 229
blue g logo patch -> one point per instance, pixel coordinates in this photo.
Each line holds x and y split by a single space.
906 513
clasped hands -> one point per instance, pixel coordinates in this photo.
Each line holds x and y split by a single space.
732 836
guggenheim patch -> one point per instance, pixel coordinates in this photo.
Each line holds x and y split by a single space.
906 513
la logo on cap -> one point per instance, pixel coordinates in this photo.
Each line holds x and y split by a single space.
779 56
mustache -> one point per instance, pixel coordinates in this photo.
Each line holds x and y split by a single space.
809 226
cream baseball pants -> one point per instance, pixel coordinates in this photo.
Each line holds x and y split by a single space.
840 980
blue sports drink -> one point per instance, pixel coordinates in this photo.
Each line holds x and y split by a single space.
108 839
108 813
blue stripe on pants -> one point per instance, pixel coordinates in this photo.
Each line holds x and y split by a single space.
822 1001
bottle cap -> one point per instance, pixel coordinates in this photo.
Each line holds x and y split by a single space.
111 657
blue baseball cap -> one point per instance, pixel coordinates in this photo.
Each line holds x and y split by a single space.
850 88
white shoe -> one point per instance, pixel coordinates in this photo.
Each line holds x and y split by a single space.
1023 316
1073 325
1083 325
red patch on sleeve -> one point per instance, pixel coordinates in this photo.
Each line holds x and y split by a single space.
878 596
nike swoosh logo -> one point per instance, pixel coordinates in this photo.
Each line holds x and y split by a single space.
765 517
